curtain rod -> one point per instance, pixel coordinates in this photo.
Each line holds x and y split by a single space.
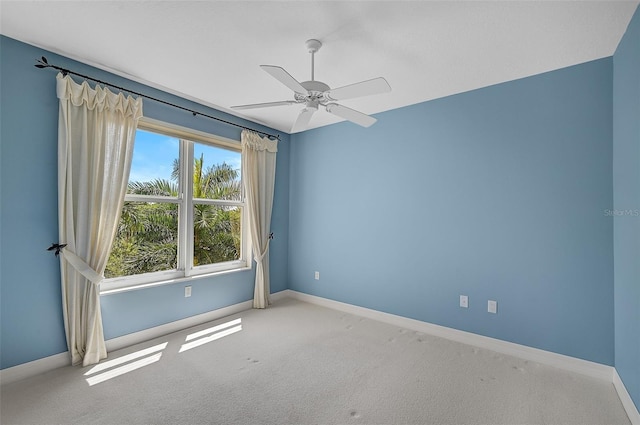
43 63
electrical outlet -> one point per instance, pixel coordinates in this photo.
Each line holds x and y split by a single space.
492 306
317 276
187 291
464 301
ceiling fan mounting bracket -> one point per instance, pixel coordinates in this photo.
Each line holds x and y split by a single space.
313 45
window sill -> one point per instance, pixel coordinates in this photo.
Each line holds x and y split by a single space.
183 279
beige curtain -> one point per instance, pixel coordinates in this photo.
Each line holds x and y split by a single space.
258 176
96 131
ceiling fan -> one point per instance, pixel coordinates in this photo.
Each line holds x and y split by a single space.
316 93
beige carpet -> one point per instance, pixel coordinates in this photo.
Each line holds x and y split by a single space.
297 363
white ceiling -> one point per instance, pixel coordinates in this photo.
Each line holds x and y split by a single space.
210 51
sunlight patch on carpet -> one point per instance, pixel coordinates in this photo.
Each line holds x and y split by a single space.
108 370
216 332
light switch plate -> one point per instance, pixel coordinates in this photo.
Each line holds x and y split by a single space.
492 306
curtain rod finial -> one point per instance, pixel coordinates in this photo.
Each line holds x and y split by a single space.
42 63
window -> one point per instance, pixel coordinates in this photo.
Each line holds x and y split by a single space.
184 211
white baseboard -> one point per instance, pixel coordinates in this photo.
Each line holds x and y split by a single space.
159 331
279 295
595 370
625 398
36 367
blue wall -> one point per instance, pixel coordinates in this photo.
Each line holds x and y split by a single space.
31 312
498 194
626 198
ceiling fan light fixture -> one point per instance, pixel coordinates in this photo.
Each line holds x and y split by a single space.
312 106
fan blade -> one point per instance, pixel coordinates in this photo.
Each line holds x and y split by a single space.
351 115
303 119
265 105
285 78
364 88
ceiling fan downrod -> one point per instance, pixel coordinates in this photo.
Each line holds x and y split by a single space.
313 46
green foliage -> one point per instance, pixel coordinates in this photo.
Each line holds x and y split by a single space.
147 236
216 234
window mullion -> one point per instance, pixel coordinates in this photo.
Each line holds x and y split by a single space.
185 247
219 202
150 198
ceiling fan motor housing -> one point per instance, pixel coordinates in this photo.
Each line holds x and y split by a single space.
315 92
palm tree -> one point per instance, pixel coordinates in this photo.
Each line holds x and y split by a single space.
146 240
216 232
148 232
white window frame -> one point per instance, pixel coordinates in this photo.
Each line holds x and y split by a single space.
185 269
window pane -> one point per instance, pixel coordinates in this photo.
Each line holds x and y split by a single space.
216 173
154 166
216 234
146 240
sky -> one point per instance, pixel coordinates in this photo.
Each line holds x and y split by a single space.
153 156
